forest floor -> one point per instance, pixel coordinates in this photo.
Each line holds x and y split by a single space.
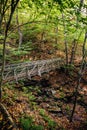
46 103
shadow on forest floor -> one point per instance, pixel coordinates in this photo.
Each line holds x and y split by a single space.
49 98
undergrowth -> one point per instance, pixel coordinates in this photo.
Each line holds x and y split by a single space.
27 123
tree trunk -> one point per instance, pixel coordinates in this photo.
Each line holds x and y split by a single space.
82 69
84 44
73 50
19 32
76 95
56 31
65 41
74 43
13 6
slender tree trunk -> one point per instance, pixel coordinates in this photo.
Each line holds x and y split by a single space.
74 47
3 5
43 36
65 41
19 31
82 69
56 31
13 6
76 95
83 49
74 43
3 65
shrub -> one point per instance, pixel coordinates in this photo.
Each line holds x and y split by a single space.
28 124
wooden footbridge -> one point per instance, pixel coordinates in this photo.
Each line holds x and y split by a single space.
15 72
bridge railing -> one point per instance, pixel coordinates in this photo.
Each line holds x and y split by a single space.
29 69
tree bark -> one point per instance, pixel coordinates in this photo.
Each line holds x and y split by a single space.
74 43
56 31
13 6
19 32
74 47
82 69
65 41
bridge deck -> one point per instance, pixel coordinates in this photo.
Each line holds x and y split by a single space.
29 69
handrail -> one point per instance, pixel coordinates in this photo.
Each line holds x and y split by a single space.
15 72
